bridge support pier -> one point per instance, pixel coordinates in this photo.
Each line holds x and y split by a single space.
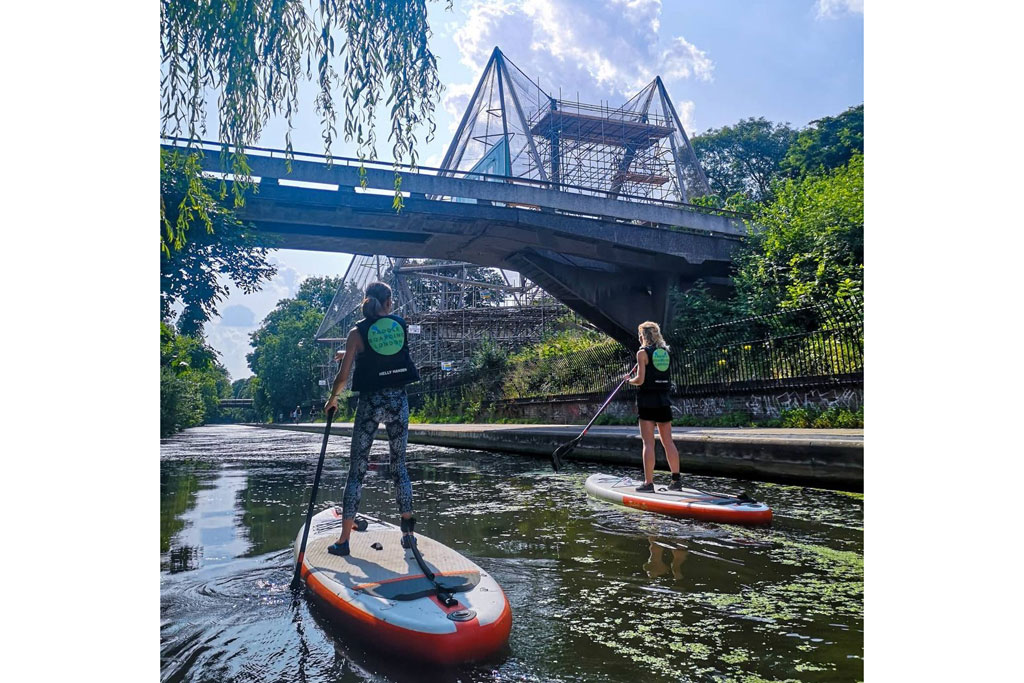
615 299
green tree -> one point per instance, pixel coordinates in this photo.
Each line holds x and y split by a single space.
695 308
242 388
810 245
744 158
318 291
202 242
286 357
192 381
251 58
826 144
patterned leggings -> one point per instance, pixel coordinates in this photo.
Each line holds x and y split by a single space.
390 406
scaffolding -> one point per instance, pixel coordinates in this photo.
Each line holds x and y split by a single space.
511 128
452 309
638 151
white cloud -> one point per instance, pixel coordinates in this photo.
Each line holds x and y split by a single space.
232 339
602 49
237 315
229 337
829 9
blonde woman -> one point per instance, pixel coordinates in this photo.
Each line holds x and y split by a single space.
653 405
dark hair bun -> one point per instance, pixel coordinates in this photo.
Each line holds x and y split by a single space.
377 295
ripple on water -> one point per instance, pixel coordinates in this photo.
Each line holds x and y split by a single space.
598 592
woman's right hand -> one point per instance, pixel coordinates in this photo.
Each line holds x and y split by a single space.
332 404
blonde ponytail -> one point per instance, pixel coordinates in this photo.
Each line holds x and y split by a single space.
650 335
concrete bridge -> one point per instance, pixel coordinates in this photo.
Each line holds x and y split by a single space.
612 259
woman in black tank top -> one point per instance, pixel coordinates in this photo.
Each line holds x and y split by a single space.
653 402
378 346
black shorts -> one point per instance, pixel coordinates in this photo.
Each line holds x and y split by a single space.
658 414
654 407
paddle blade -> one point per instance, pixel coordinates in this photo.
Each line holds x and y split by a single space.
561 452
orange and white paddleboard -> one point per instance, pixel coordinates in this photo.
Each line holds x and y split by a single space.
380 591
712 507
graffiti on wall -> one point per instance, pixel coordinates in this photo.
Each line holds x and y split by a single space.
758 406
771 405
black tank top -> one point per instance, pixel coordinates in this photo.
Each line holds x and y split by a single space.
384 361
656 374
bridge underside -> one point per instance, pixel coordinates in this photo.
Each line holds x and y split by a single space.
614 274
612 261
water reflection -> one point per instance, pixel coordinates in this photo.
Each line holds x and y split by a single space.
598 592
656 566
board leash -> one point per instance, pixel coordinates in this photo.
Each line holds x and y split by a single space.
445 595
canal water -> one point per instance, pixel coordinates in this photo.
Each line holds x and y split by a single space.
598 592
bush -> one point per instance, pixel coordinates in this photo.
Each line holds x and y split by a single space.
590 364
832 418
439 408
181 403
192 382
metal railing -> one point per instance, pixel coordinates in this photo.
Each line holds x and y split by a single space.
185 144
813 344
594 370
810 346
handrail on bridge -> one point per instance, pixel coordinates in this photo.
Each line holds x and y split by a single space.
514 180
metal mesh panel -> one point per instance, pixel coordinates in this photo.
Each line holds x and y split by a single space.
344 310
453 309
638 151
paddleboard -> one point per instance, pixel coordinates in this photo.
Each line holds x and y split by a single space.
381 592
711 507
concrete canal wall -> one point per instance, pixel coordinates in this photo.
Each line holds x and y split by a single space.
827 458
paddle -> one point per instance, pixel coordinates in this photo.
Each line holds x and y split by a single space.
312 500
567 448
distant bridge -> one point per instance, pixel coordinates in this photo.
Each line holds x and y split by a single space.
612 260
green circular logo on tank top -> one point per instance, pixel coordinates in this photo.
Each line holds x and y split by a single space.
660 359
386 337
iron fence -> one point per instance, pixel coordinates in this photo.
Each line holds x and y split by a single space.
810 346
592 370
814 344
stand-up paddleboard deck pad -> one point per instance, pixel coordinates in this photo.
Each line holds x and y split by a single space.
712 507
382 593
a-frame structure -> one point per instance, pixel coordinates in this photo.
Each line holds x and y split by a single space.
638 151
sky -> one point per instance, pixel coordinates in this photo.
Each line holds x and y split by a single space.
786 60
